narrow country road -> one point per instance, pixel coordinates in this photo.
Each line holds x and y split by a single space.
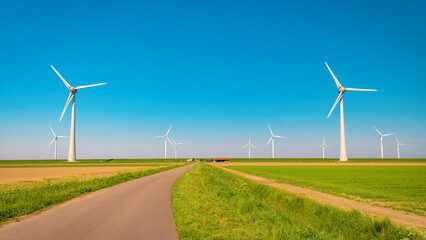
138 209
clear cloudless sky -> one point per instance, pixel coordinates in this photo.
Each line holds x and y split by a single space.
218 70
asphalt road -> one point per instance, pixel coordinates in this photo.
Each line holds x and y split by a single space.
138 209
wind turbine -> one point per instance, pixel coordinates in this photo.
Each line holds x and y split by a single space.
175 144
55 139
249 145
272 139
342 90
323 145
398 144
73 91
381 139
166 138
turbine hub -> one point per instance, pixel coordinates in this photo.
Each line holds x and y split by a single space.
342 90
73 90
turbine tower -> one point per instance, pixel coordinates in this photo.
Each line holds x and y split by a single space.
73 91
166 138
249 145
398 144
55 139
381 140
175 145
342 90
323 145
272 139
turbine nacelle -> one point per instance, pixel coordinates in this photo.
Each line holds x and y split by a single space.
73 90
342 90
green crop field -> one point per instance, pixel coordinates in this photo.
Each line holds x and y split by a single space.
360 160
397 187
17 199
210 203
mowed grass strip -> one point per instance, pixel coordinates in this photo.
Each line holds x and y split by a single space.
19 199
397 187
210 203
313 160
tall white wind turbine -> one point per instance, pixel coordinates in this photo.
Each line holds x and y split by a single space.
175 145
342 90
166 138
323 145
55 139
73 91
381 139
398 144
249 145
272 139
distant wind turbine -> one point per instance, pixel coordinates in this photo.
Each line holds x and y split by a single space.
398 144
73 91
55 139
323 145
166 138
175 145
249 145
272 139
342 90
381 139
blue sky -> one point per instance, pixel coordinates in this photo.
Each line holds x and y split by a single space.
218 70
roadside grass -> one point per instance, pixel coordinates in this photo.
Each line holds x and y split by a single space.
360 160
396 187
210 203
85 165
18 199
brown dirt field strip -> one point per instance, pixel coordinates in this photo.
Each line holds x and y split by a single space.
81 164
401 217
8 175
319 164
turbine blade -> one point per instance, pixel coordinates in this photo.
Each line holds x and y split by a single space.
280 137
377 130
87 86
403 144
270 130
269 140
388 134
62 136
252 146
335 103
51 142
52 130
245 146
159 137
169 141
335 79
169 130
66 105
326 145
396 140
361 90
63 80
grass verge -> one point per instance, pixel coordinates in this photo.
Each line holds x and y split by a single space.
210 203
17 199
396 187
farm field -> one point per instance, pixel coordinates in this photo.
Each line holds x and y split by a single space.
313 160
396 187
90 161
21 198
210 203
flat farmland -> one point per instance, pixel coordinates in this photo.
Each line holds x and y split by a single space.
31 174
396 187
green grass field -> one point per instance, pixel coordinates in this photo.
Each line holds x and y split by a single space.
17 199
210 203
397 187
411 160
